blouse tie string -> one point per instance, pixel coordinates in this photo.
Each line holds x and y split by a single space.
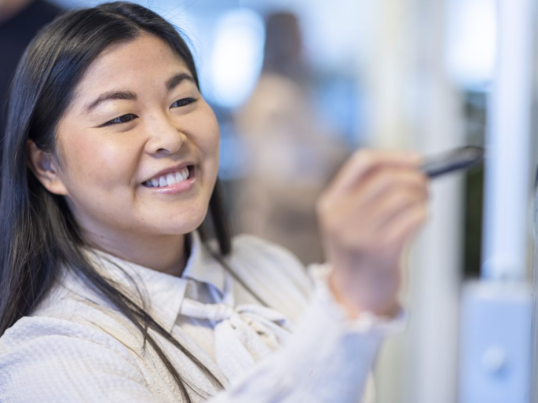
243 334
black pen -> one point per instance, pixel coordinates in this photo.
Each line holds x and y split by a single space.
455 160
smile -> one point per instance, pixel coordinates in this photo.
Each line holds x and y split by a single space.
170 179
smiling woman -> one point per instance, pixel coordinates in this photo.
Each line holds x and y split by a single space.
125 129
109 290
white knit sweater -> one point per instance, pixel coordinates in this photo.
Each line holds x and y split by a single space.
77 348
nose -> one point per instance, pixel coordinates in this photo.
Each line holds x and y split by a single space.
165 135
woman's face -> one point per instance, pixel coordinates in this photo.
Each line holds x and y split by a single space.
138 146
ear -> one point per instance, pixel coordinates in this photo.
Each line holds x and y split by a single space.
46 169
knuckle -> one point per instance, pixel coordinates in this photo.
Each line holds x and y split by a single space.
330 223
403 191
414 184
426 213
422 181
423 178
387 179
403 201
364 156
420 216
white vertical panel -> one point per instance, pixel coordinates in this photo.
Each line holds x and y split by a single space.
413 106
496 327
389 85
435 300
508 145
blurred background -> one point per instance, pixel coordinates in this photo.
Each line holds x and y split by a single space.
298 85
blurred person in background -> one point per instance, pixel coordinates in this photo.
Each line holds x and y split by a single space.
290 152
19 22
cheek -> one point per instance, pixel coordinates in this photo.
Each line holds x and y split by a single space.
94 163
208 134
210 144
210 147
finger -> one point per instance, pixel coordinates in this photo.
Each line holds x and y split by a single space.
369 231
368 204
389 182
391 208
351 217
364 162
405 226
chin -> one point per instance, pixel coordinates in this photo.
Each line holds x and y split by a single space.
183 223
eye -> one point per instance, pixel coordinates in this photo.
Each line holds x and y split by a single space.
120 119
182 102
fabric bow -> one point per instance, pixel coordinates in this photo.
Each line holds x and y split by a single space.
243 334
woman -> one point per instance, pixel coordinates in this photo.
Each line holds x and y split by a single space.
109 290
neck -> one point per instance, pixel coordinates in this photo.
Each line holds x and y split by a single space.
163 253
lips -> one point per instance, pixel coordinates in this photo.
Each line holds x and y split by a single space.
170 177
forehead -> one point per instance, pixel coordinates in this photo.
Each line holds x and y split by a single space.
146 60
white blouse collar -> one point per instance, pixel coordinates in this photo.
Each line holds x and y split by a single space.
163 293
201 266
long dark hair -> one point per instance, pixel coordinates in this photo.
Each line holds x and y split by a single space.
39 234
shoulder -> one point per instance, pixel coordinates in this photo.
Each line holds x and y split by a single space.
273 272
251 246
69 320
76 313
271 257
58 355
33 336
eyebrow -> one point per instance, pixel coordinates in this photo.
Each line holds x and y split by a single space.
108 96
171 83
177 79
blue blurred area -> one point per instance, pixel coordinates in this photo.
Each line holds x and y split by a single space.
334 43
212 25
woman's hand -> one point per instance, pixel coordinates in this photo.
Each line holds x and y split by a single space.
376 203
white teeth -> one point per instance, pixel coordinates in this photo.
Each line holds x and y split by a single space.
169 179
